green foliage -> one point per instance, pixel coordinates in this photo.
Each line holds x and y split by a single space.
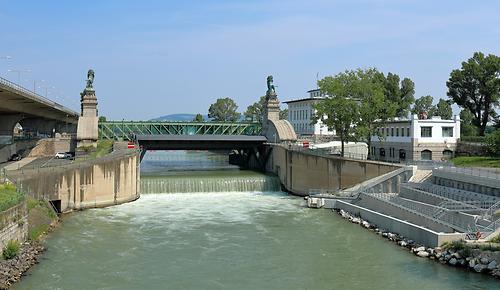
473 139
443 109
284 114
476 87
9 196
424 105
255 111
476 161
372 99
198 118
103 147
224 109
340 112
35 233
454 245
466 126
492 142
11 249
401 95
102 119
496 239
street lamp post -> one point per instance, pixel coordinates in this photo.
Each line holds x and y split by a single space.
35 86
19 72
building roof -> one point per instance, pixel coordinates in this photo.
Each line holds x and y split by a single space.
304 99
314 90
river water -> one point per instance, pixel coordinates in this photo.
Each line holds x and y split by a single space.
227 240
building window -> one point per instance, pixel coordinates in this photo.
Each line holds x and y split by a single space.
397 132
382 152
425 131
408 132
402 154
447 154
392 131
447 131
426 155
383 132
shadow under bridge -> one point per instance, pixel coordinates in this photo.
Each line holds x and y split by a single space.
198 142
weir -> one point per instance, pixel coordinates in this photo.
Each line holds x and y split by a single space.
200 171
246 182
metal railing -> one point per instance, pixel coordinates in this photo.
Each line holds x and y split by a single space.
450 192
34 96
474 171
448 220
126 130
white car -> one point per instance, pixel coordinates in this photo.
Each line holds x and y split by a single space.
62 155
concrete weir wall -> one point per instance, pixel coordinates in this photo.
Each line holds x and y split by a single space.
14 224
110 180
301 172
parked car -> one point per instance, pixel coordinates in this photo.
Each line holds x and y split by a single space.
15 157
62 155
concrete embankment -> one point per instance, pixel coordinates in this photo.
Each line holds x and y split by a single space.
105 181
452 253
300 172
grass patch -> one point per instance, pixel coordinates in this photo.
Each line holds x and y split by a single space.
40 217
35 232
477 161
466 248
496 239
9 196
11 249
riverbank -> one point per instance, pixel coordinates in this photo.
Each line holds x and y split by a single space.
456 254
12 270
41 221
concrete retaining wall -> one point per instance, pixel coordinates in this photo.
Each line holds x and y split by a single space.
466 181
417 233
367 201
110 180
300 172
14 224
8 150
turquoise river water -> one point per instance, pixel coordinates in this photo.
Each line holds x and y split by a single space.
239 239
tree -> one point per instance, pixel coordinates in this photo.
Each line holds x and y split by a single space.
255 111
424 105
102 119
224 109
476 87
284 114
493 143
374 106
466 126
443 109
401 93
339 114
199 118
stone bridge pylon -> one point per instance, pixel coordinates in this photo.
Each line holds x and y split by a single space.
275 130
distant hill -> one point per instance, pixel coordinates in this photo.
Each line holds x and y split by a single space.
178 117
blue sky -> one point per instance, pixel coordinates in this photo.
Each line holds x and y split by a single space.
153 58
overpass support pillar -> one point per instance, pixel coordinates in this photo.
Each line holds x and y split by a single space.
7 124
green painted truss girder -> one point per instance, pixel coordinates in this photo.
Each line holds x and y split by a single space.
125 130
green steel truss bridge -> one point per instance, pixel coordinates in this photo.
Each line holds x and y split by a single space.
126 130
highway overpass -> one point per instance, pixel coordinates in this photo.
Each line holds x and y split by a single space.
34 112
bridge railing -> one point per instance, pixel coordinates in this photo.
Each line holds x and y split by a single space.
125 130
33 95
